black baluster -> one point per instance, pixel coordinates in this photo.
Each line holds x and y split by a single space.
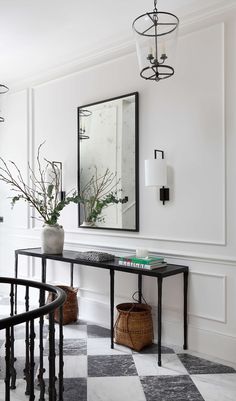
41 349
16 274
31 381
44 270
51 358
7 364
61 363
27 345
12 339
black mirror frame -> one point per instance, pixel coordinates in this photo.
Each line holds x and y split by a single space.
136 95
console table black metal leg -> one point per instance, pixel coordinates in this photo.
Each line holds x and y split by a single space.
71 274
16 275
44 264
112 274
185 310
140 288
159 318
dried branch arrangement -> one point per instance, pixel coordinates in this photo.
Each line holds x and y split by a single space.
98 193
43 192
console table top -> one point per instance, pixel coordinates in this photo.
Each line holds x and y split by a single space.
70 257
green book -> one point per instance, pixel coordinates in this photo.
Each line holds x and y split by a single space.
145 261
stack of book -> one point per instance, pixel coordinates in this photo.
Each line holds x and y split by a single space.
149 263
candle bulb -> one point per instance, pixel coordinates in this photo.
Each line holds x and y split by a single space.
163 48
141 253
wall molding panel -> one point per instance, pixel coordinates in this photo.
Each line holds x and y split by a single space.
196 228
210 342
214 292
33 238
32 93
124 46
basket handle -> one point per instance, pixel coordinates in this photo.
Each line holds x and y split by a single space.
136 300
127 328
127 318
119 315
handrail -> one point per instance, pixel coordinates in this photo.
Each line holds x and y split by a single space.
32 314
29 316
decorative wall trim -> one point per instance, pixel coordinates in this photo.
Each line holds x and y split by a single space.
29 146
168 254
145 237
84 293
106 306
33 240
200 340
224 184
192 21
221 242
208 317
214 13
32 145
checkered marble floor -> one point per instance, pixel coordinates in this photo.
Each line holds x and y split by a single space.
95 372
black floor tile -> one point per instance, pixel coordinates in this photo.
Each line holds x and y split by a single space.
196 366
153 349
97 331
75 389
111 365
170 388
70 347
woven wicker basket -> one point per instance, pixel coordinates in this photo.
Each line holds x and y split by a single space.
70 307
134 326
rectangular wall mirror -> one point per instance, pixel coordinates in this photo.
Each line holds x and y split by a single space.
108 164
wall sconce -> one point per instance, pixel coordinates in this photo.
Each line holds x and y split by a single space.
59 167
156 175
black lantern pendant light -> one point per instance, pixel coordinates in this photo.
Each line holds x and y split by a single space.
82 130
155 33
3 89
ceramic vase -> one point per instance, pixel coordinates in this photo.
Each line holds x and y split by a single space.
52 239
88 224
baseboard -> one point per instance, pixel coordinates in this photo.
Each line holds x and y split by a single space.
214 344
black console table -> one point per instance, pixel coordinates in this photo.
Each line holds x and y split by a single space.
159 274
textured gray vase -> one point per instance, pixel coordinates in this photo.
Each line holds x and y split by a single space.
52 239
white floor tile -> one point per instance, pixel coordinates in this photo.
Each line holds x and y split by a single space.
217 387
147 365
74 366
18 394
19 348
102 346
115 389
72 331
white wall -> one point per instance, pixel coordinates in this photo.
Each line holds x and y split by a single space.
191 117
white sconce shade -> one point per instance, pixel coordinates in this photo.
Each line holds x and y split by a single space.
155 173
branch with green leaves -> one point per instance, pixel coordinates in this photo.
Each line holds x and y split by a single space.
98 193
43 191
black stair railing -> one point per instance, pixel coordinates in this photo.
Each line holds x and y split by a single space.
47 389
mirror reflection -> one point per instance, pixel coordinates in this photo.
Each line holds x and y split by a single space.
108 160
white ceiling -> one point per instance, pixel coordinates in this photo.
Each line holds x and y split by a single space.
39 35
